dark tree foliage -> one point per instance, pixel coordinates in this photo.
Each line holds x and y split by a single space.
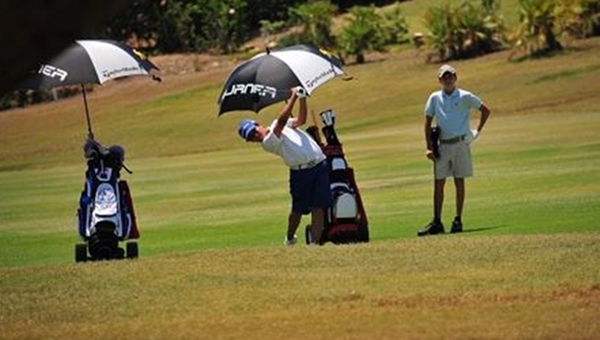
271 10
167 26
345 5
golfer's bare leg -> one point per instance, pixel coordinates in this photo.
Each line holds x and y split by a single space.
438 198
318 221
293 223
460 195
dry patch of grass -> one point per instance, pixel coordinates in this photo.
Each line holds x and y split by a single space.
445 287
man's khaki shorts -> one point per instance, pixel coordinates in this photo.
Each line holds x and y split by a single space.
454 161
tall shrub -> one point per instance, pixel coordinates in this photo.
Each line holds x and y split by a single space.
464 30
315 19
537 30
364 32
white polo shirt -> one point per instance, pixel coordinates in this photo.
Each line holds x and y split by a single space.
452 112
295 146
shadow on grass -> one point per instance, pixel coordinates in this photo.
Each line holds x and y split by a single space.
15 167
476 230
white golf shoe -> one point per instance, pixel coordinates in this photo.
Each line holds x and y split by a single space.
288 242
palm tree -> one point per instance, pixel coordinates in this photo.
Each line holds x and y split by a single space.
395 25
363 33
315 18
578 18
442 23
536 31
464 31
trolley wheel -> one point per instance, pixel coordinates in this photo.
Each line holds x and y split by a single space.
364 234
308 234
132 250
81 252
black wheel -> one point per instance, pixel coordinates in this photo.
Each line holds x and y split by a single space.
119 254
81 252
308 235
132 250
364 234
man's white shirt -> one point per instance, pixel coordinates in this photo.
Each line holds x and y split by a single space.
294 146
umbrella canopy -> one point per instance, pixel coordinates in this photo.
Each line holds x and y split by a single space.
90 62
268 77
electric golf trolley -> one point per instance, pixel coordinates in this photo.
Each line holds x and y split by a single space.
346 221
105 215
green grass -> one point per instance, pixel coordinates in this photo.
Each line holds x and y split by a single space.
197 186
212 213
509 287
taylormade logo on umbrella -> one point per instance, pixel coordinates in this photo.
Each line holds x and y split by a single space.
53 72
241 89
114 73
316 80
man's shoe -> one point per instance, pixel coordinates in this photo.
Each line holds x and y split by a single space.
432 228
457 226
288 242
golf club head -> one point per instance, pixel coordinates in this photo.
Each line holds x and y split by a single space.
328 117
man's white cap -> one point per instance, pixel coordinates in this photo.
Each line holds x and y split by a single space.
445 69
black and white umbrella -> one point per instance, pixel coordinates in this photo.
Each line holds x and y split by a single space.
268 77
90 62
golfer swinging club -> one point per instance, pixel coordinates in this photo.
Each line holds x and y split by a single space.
451 107
309 177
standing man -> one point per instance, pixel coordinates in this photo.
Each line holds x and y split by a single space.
451 107
309 174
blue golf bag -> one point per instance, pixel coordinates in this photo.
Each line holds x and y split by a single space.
106 215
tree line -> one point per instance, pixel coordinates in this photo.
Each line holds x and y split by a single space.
168 26
470 29
453 30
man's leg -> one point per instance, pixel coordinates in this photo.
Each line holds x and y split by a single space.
299 193
438 198
436 226
320 201
317 224
442 169
457 226
460 195
293 223
463 168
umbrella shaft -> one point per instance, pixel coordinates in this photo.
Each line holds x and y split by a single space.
87 113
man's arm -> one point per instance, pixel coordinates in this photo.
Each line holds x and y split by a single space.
428 121
285 114
301 119
485 114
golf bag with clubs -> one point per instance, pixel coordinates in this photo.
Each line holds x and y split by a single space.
346 221
105 215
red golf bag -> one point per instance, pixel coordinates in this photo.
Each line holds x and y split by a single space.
346 221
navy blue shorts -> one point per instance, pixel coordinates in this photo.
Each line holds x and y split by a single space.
310 189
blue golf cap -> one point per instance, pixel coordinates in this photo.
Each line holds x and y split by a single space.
246 127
